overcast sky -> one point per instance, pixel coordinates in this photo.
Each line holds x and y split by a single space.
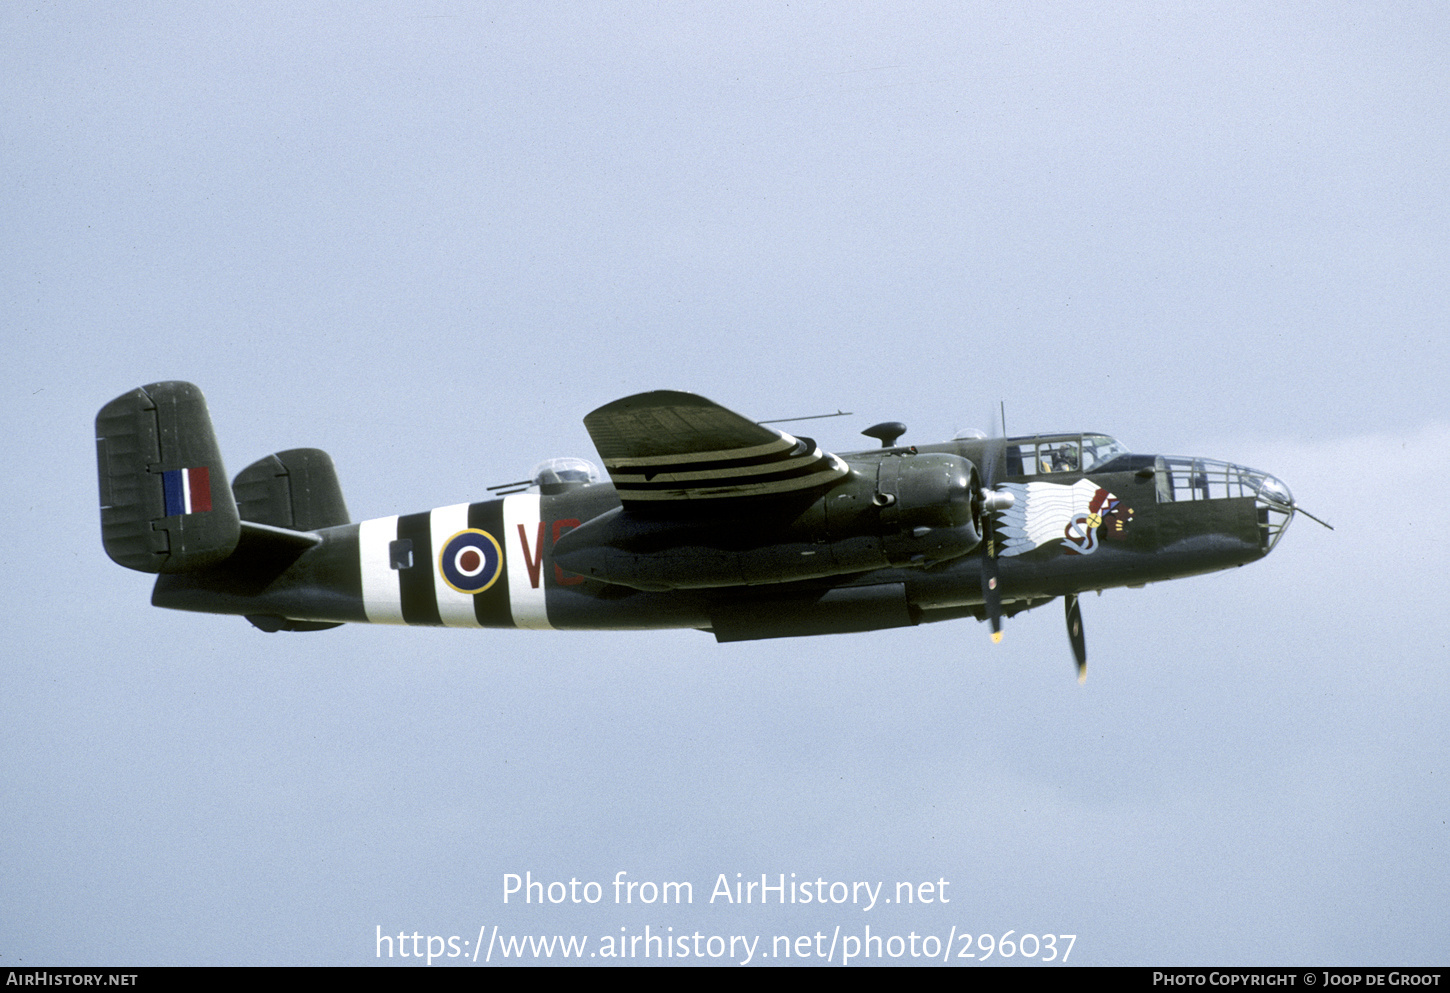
429 236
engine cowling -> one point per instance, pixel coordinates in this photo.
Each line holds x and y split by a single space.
931 507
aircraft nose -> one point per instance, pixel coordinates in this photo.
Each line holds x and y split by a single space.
1276 509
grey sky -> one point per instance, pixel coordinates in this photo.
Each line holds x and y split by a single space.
429 237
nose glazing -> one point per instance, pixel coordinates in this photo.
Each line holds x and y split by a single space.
1275 506
1273 490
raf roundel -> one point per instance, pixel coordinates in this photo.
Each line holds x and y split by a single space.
471 561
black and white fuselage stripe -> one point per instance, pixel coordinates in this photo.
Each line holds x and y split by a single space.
523 541
382 601
781 466
406 580
455 609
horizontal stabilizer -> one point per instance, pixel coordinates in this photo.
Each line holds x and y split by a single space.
296 489
165 504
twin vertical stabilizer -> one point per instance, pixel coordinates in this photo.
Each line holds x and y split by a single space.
166 506
165 503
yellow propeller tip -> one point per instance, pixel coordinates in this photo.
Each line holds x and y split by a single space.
996 637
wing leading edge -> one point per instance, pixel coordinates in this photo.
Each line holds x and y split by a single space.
665 447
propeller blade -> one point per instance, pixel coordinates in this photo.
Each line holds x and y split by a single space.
994 455
992 593
1075 635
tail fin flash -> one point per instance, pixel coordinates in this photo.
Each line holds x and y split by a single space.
165 503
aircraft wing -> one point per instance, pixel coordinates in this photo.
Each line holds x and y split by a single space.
667 449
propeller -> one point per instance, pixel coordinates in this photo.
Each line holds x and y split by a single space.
993 457
1075 635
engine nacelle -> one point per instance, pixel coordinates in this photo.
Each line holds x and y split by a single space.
931 507
899 510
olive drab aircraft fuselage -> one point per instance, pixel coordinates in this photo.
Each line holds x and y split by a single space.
706 520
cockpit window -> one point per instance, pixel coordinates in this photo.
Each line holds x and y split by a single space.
1099 449
1205 479
1061 453
566 472
1045 456
1063 457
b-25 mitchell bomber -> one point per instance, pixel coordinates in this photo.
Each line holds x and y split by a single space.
707 520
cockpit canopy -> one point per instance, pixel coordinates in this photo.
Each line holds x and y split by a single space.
557 475
1061 453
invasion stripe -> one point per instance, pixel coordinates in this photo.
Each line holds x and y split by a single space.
415 585
523 543
724 472
817 466
786 483
382 603
491 607
784 443
643 468
455 609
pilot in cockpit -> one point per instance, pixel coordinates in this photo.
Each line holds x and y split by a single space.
1064 459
